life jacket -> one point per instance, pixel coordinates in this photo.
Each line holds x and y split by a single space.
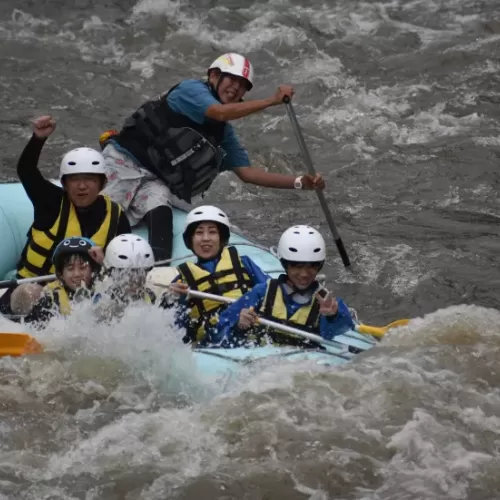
305 318
36 259
185 155
60 297
230 279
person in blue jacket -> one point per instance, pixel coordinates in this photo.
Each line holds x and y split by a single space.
219 270
175 145
295 298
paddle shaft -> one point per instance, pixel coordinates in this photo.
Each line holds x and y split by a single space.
271 324
320 194
36 279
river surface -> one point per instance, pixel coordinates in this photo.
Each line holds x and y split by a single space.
399 103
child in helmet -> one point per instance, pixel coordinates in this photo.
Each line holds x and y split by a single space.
295 298
75 270
219 270
127 261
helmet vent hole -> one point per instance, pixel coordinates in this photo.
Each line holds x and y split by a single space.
96 162
292 249
71 162
316 250
123 257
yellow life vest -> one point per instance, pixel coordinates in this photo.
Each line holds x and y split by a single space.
230 279
305 318
60 297
36 259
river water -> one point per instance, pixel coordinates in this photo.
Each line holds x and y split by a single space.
399 104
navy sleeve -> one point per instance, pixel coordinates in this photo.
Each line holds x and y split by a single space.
42 311
330 326
229 318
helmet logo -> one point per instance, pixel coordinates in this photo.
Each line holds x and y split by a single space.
246 68
226 58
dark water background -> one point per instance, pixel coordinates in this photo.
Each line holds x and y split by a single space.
399 103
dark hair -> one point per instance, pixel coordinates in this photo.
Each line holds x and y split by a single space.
285 263
223 233
69 258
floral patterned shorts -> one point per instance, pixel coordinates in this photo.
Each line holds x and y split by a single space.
135 189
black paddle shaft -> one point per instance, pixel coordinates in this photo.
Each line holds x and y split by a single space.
319 192
7 283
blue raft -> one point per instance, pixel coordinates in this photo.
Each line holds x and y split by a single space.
16 216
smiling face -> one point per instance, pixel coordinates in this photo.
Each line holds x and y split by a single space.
230 88
82 189
206 240
302 276
77 272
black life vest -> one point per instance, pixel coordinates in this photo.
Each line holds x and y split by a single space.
185 155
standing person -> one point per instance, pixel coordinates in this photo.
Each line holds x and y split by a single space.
179 142
75 209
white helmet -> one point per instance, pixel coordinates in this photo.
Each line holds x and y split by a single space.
235 64
302 244
129 251
206 213
82 161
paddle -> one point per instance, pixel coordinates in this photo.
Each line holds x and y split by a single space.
18 344
376 331
312 171
271 324
380 331
14 282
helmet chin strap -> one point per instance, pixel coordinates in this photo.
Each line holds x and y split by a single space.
215 89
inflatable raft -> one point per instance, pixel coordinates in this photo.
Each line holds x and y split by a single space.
16 215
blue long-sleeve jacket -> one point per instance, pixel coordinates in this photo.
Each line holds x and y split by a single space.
329 326
254 271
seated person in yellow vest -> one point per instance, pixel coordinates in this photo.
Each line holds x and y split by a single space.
75 209
127 262
75 271
295 298
219 270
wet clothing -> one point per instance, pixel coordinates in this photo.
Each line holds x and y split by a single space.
277 301
217 276
47 198
57 300
112 302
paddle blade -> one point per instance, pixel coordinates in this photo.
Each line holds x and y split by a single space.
380 331
18 344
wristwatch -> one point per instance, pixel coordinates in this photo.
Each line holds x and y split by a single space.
297 184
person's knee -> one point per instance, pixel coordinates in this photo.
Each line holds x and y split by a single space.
23 298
